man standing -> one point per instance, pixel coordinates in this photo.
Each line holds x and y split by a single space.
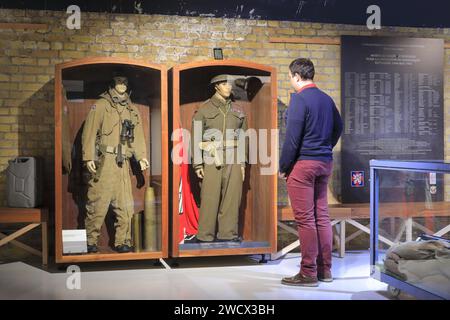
313 129
112 134
218 127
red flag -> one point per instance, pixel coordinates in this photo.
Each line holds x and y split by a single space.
189 216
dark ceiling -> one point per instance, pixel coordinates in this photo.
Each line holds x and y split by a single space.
413 13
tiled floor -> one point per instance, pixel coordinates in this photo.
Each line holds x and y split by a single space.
195 278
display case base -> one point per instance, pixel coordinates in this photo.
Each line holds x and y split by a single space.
109 257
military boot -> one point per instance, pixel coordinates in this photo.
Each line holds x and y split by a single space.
92 248
123 248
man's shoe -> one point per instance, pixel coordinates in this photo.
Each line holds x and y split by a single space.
325 276
123 248
92 248
300 280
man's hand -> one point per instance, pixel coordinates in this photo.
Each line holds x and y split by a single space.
200 173
282 175
144 164
67 165
90 165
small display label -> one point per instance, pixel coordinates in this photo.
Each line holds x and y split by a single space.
432 177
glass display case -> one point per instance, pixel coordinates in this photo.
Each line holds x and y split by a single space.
410 226
254 91
111 160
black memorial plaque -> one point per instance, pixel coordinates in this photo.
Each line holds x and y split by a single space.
392 108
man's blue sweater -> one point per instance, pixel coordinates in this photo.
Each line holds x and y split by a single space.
314 126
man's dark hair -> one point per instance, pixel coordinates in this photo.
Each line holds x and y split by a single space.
303 67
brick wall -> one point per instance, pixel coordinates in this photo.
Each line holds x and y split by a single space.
27 60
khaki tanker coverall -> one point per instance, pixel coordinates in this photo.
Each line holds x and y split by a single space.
111 185
221 189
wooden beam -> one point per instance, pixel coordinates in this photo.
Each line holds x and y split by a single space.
22 246
306 40
44 234
317 40
19 26
18 233
19 215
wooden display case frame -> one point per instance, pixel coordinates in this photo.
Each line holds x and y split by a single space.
270 194
163 252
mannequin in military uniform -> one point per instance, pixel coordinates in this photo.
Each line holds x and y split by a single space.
218 132
112 134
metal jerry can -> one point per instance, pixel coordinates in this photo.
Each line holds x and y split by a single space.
24 182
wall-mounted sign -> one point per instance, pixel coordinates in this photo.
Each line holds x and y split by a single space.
391 105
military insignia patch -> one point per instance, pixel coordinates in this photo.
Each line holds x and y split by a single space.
93 107
357 179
